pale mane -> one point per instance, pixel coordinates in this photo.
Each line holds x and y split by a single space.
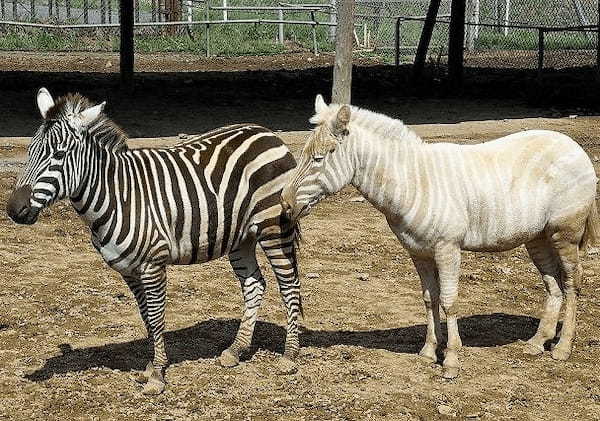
379 125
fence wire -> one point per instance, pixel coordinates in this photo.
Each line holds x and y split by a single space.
499 33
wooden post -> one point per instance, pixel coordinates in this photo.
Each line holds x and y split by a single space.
32 7
332 19
425 39
456 44
342 68
102 11
225 14
85 11
127 54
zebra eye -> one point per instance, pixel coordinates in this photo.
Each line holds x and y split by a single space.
59 154
318 158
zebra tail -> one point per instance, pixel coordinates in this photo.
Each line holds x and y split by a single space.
591 232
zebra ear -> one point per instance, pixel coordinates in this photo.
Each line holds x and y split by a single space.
44 101
341 120
90 115
320 104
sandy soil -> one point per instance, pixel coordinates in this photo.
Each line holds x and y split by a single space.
70 332
75 61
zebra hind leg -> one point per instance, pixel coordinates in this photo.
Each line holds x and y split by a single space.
546 261
281 253
154 281
245 266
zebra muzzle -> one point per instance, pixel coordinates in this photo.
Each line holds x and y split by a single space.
19 207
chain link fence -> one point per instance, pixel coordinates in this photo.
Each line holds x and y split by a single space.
498 33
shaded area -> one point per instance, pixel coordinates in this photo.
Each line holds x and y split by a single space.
207 340
166 104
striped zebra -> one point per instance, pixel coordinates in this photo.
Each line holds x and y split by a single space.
215 194
535 188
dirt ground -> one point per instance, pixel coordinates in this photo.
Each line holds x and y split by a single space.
103 62
70 333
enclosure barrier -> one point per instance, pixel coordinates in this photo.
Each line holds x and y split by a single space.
541 30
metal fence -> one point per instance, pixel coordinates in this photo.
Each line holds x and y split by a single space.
498 33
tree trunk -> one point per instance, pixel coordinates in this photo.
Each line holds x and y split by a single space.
425 39
342 69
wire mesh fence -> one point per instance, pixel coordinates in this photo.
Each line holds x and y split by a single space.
498 33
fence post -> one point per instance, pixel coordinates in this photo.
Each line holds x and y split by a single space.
207 28
32 7
136 9
397 41
49 8
598 44
225 14
332 19
126 47
57 8
14 9
540 68
456 44
102 11
2 9
189 13
506 17
314 33
85 11
280 30
109 11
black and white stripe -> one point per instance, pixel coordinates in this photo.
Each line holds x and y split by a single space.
215 194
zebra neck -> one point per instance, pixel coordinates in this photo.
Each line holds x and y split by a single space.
107 189
387 171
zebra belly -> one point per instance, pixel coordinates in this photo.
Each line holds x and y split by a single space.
505 231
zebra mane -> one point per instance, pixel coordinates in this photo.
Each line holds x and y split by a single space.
103 131
378 125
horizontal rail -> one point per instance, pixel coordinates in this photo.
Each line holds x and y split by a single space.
179 23
273 8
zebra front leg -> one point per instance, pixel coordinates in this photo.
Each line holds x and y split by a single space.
431 297
281 253
154 281
447 259
137 289
253 285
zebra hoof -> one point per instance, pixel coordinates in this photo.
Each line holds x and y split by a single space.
144 376
428 353
533 349
286 366
561 354
450 372
155 385
228 359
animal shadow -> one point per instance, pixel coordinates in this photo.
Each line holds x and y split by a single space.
207 339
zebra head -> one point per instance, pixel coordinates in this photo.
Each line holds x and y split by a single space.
324 166
54 165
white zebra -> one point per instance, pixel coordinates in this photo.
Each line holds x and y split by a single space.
535 188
